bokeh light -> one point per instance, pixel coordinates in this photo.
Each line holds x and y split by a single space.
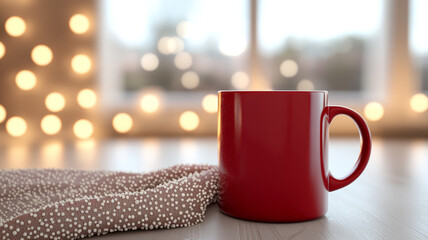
305 84
373 111
183 60
232 46
240 80
149 103
210 103
170 45
175 44
3 113
79 24
83 129
190 80
16 126
189 121
86 98
51 124
122 122
25 80
81 64
185 29
55 102
15 26
41 55
2 50
289 68
149 62
419 102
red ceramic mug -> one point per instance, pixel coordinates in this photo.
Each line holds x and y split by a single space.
273 154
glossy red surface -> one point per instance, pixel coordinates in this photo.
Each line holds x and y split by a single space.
273 163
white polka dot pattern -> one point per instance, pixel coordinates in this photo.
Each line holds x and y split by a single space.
72 204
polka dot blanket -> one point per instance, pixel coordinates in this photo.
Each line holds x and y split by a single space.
73 204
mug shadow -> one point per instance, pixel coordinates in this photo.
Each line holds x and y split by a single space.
271 222
318 228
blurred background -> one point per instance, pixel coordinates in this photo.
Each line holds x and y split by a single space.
92 69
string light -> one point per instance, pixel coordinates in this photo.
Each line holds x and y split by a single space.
122 122
149 62
419 103
25 80
51 124
55 102
81 64
15 26
2 50
79 24
240 80
189 121
305 85
183 60
41 55
86 98
210 103
83 129
373 111
149 103
3 113
16 126
190 80
289 68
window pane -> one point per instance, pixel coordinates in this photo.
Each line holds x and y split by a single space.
419 39
175 45
310 44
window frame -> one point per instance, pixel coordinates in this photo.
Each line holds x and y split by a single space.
388 62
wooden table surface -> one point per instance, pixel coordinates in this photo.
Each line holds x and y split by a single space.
388 201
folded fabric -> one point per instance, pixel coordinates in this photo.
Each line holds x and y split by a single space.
72 204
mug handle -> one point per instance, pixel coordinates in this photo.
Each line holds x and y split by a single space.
366 145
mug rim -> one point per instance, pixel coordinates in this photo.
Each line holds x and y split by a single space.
273 91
